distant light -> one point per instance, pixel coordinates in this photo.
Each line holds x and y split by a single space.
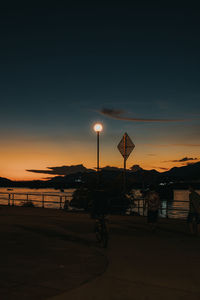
98 127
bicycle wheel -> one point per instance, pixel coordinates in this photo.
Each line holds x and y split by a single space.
97 231
98 236
104 238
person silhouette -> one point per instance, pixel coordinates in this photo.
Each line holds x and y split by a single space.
152 203
193 218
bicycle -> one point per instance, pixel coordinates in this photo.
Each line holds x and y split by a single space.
101 231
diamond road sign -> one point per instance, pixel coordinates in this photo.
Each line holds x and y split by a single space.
125 146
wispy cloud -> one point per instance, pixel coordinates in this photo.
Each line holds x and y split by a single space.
171 145
184 159
63 170
122 115
159 168
186 145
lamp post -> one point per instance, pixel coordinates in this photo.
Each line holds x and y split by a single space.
98 128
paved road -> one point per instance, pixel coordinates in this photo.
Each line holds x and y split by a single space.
43 254
50 254
145 265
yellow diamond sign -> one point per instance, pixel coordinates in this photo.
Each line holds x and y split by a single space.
125 146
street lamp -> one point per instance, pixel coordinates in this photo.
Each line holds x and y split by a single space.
98 128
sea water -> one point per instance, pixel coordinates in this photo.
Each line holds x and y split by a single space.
174 208
51 196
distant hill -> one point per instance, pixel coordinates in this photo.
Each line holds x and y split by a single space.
189 172
111 175
136 168
5 182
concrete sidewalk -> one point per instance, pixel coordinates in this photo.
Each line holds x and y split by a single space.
51 254
43 253
145 265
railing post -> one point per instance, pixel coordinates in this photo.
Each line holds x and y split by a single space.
167 216
138 206
13 203
60 202
43 201
8 199
27 198
143 206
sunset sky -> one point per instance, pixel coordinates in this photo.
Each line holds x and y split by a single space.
132 65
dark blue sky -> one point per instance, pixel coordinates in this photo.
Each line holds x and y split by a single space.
63 62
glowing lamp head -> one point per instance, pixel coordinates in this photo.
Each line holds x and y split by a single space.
98 127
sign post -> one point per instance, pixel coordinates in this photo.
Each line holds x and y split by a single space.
98 127
125 147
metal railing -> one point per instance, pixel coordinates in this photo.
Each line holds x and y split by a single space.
58 201
13 199
169 207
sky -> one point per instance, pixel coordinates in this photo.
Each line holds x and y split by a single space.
134 66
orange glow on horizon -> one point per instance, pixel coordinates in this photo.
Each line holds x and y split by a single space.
19 172
17 156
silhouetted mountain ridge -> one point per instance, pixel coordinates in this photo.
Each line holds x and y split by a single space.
4 181
190 172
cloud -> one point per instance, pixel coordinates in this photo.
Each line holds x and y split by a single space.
186 145
190 163
188 158
184 159
171 145
160 168
121 115
63 170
